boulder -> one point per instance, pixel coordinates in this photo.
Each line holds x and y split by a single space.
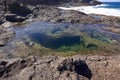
18 9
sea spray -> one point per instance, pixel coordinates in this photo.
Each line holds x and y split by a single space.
104 9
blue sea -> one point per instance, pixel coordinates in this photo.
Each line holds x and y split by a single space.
112 5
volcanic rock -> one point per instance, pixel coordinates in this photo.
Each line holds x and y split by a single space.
60 68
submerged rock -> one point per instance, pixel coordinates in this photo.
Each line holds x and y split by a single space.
5 36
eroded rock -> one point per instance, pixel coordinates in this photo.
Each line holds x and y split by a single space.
60 68
19 69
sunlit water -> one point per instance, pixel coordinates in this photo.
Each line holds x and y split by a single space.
56 35
59 34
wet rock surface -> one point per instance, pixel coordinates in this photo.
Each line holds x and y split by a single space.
59 68
5 36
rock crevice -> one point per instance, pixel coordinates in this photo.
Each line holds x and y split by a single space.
60 68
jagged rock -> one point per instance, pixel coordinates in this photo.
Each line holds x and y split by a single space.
60 68
45 13
23 7
27 69
77 66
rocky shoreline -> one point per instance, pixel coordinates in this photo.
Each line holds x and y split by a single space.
77 67
51 13
58 68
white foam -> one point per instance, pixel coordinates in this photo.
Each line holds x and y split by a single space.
95 10
102 5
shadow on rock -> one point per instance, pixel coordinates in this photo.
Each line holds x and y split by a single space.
19 9
77 66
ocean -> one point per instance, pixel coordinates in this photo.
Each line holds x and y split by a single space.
107 8
111 5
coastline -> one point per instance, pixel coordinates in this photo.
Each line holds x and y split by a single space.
90 47
94 10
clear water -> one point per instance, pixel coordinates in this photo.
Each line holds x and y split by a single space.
55 35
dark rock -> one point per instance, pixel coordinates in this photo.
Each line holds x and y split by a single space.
59 2
77 66
14 18
45 10
94 2
14 7
19 9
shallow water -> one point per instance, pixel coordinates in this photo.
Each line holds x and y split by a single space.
60 37
55 35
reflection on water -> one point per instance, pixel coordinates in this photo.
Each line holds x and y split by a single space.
55 35
51 42
95 31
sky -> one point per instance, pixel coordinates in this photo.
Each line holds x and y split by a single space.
109 0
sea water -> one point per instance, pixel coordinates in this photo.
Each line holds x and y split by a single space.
107 8
111 5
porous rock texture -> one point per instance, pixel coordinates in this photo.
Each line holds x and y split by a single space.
61 68
24 8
